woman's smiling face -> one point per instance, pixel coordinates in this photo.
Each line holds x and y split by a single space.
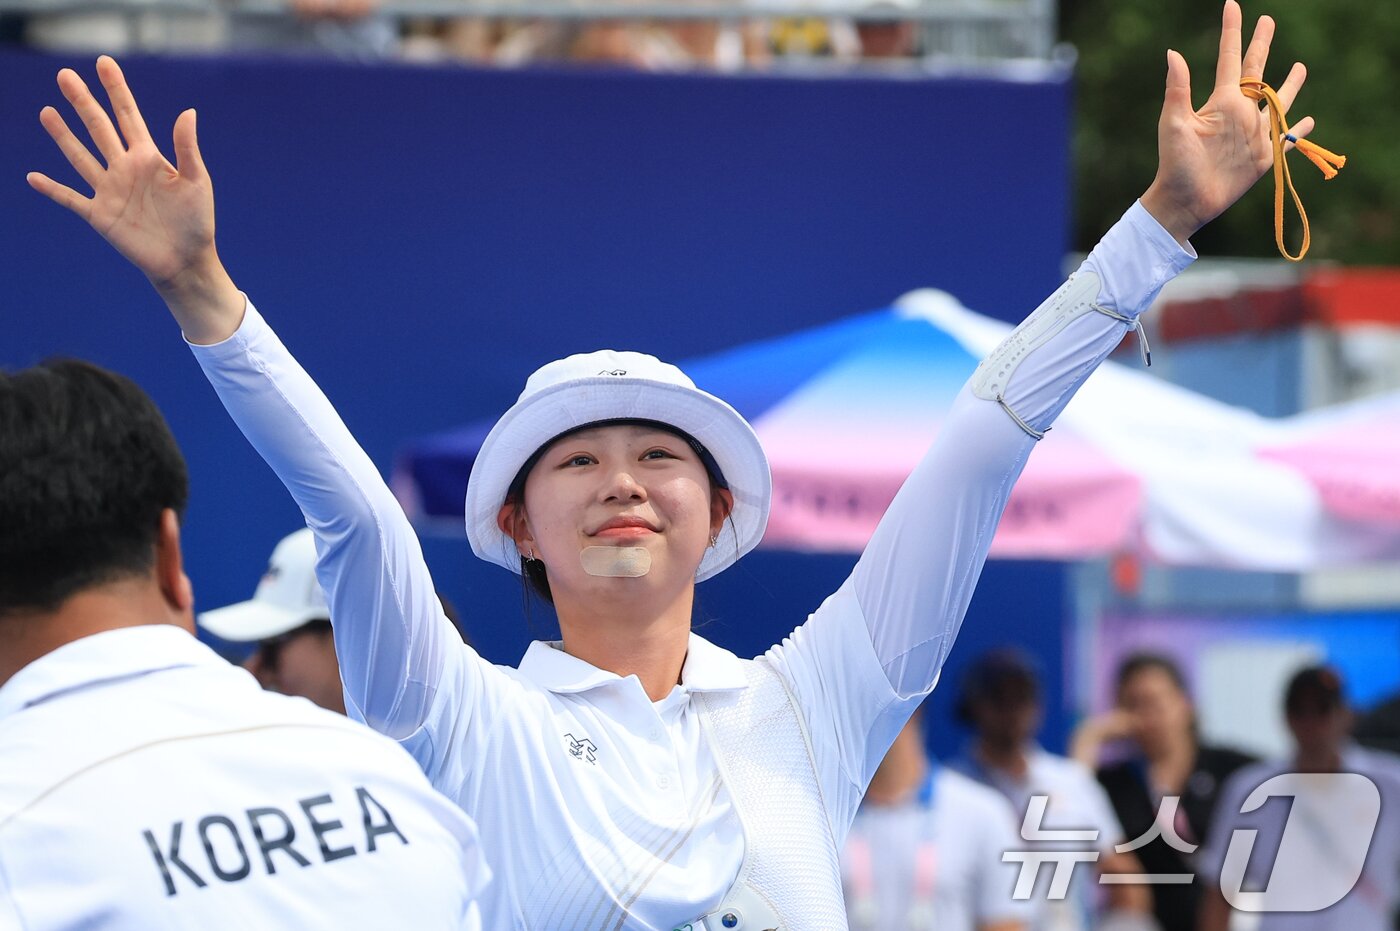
619 485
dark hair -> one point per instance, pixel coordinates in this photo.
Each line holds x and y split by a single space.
1001 675
532 571
1143 662
536 578
1314 686
87 465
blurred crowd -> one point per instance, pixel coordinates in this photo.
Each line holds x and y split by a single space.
1144 822
363 30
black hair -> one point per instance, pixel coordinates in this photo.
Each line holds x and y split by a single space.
87 466
1138 663
1003 674
1142 662
1314 686
533 575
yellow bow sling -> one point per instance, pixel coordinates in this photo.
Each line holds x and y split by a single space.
1327 161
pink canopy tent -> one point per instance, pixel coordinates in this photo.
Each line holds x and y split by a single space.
1351 454
1222 486
1134 464
841 445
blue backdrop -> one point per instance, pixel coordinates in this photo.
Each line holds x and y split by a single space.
423 237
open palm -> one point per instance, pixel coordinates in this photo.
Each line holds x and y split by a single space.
158 215
1208 158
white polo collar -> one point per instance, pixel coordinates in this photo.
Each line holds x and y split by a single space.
1035 756
1354 759
707 668
106 656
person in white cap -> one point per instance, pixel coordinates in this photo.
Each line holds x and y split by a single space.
144 782
288 619
634 775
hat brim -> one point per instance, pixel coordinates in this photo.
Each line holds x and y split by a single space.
556 410
250 621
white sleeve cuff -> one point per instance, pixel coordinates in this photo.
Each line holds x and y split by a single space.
251 327
1134 260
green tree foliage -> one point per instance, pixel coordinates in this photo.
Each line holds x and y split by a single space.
1352 50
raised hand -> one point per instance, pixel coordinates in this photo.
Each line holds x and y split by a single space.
160 216
1208 158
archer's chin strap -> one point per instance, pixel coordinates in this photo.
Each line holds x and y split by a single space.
1327 162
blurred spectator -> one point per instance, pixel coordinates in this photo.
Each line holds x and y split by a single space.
807 37
889 39
138 29
721 46
1169 775
925 849
1000 700
1323 837
636 44
632 44
674 44
288 619
351 29
465 38
800 39
348 29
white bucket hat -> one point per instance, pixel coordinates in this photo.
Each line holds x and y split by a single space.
287 597
594 387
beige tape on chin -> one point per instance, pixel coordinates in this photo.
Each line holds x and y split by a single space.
616 562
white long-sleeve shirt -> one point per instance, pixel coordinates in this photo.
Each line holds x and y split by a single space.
597 807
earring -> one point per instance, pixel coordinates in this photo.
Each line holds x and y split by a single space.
714 538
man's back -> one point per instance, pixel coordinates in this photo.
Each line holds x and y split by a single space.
148 784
